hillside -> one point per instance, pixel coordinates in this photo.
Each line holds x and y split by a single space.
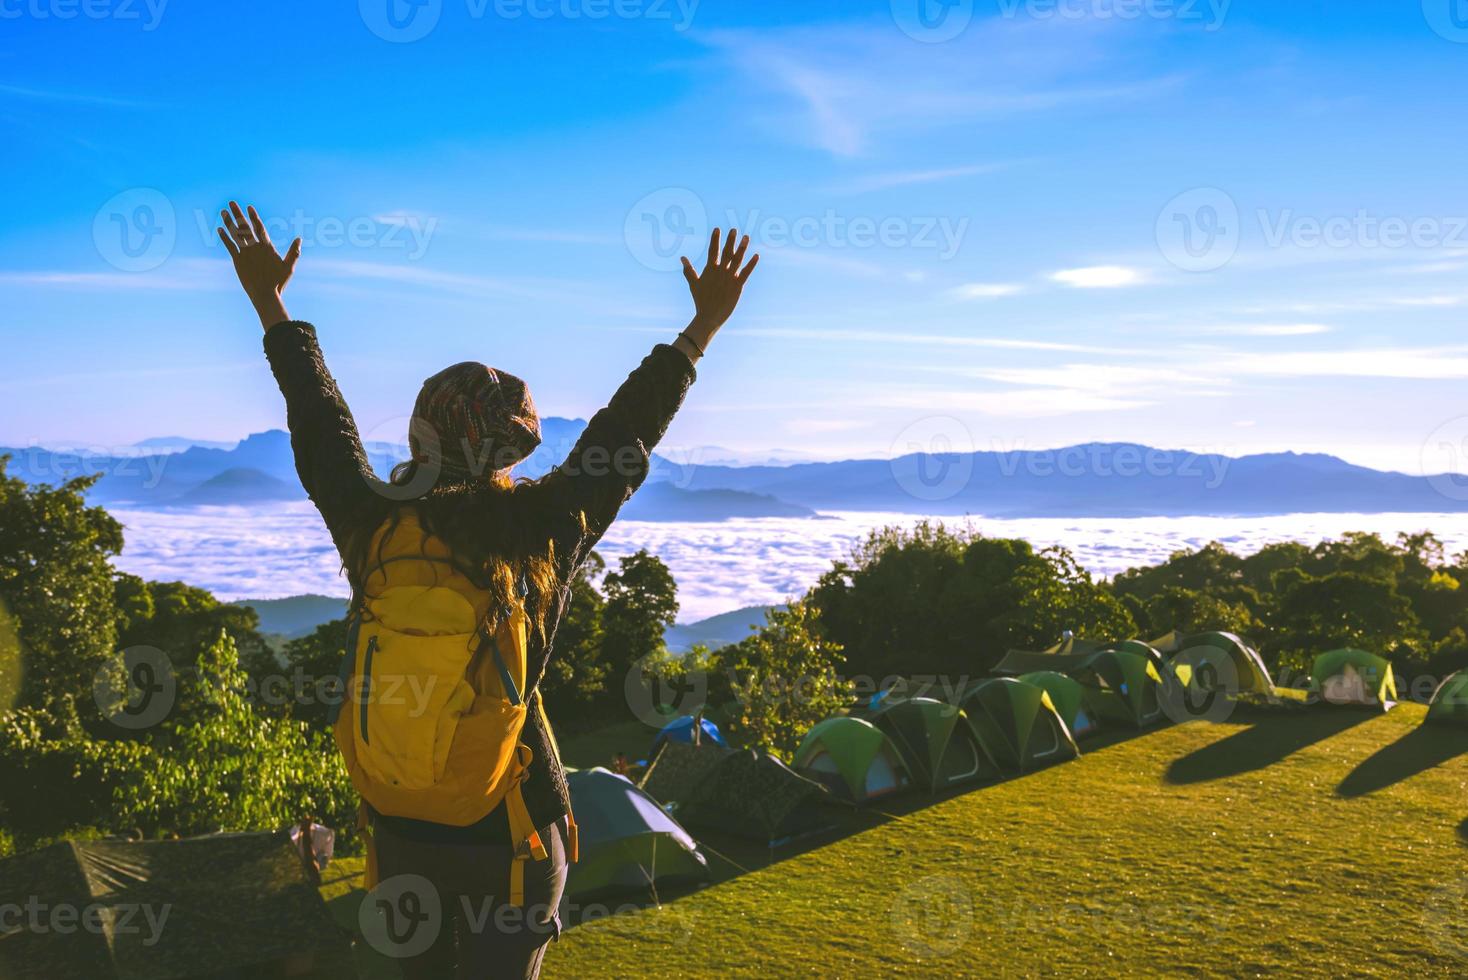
297 615
239 487
1320 842
665 502
716 631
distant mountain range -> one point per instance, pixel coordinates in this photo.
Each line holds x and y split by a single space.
1091 480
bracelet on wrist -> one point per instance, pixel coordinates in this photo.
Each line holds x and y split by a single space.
693 343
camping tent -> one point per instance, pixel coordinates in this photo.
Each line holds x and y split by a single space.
936 742
627 841
682 729
170 908
852 758
1218 659
1354 677
1018 722
1124 686
1071 700
1159 662
746 794
1449 705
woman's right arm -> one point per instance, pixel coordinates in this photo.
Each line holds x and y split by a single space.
329 457
613 455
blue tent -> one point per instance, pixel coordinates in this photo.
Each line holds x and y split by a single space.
680 729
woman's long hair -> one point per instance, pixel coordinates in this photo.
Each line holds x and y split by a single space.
499 531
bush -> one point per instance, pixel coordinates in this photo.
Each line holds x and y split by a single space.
215 764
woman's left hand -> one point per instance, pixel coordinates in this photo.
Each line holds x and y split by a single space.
262 271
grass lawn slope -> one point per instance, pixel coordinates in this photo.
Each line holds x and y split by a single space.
1310 842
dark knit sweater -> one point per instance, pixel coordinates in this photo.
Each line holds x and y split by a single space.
335 472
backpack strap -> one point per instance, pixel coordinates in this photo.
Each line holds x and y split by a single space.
523 834
573 847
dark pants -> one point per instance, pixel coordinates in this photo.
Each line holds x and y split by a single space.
480 935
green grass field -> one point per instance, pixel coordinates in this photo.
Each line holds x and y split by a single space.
1308 842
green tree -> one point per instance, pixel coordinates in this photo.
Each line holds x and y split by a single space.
56 582
785 680
310 665
1192 611
641 603
934 600
1057 595
576 676
180 619
1344 609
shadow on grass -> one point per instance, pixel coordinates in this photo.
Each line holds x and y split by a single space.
1420 749
1463 831
1262 744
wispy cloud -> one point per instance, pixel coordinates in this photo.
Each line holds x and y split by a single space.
1263 329
932 340
843 89
73 98
1100 277
879 182
986 290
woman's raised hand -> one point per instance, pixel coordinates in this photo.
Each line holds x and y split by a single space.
716 290
263 272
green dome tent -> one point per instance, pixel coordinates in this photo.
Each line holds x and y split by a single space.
742 793
1153 655
852 758
937 744
1201 658
1127 684
627 841
1018 722
1070 699
1354 677
1123 682
1449 705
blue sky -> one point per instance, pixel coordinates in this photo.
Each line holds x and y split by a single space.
1227 226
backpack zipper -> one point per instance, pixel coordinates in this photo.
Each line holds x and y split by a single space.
367 682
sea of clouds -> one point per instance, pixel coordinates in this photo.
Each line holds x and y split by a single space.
283 549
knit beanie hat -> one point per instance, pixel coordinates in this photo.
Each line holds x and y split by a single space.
481 420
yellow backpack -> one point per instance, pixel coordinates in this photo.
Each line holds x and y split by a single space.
430 724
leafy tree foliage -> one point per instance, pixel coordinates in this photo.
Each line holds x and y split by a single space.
641 602
215 763
56 583
181 619
936 600
577 675
785 680
308 664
